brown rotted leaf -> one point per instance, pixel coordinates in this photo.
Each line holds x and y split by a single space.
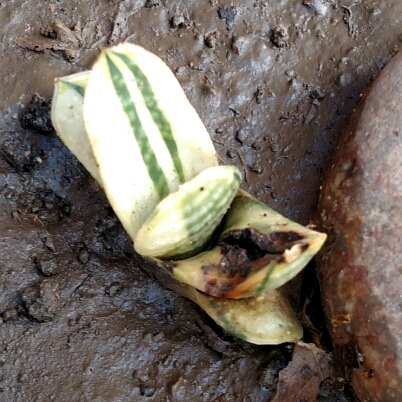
258 250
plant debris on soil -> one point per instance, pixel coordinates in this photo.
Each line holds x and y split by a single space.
82 316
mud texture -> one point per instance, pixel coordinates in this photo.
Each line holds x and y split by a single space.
360 265
274 83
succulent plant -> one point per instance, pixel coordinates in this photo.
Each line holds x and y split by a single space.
130 124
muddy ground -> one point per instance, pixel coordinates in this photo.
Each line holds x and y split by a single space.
274 82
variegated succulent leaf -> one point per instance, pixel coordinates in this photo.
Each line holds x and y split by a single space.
146 136
68 119
258 250
267 319
182 224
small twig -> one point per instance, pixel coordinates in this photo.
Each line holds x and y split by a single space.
36 219
208 80
235 112
31 215
348 9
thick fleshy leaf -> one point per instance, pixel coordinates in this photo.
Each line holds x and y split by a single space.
68 119
184 222
146 136
267 319
258 250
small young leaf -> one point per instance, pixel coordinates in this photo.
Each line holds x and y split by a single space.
184 222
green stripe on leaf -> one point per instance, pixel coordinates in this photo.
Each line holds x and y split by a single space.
184 222
155 172
156 113
78 88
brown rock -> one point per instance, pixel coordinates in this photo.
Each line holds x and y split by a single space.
361 263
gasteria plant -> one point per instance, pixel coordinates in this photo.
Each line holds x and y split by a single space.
130 124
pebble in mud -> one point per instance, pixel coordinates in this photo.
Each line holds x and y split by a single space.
180 71
228 14
259 94
147 391
231 153
317 93
256 168
240 44
275 147
41 300
211 40
280 36
178 21
114 289
242 135
46 265
256 146
275 196
153 3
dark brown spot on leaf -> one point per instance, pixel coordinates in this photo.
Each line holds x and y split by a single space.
245 251
258 244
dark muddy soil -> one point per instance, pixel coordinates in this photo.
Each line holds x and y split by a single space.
274 82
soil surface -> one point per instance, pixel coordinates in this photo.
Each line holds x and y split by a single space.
275 82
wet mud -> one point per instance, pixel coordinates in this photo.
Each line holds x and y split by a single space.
275 83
